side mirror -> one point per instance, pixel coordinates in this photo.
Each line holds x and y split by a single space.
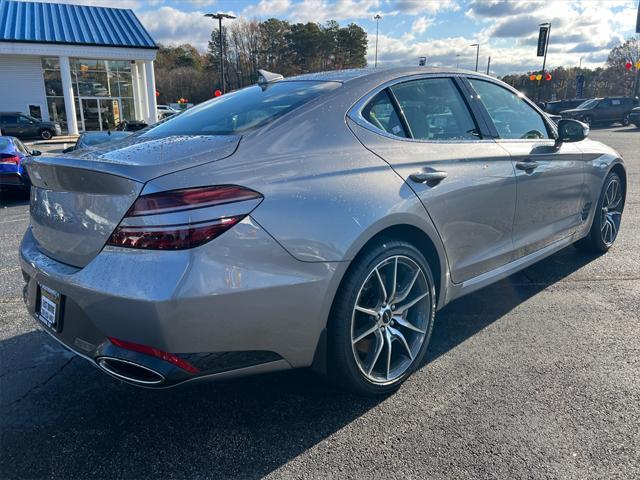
69 149
36 153
571 131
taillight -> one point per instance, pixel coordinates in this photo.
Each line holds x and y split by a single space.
9 159
159 235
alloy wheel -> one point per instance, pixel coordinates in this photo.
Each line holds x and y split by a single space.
390 319
611 211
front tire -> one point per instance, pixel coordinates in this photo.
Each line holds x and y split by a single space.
46 134
607 218
381 320
626 121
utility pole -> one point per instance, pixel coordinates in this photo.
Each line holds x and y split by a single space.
377 18
219 16
488 64
477 45
458 60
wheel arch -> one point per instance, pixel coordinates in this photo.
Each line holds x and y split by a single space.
618 168
428 243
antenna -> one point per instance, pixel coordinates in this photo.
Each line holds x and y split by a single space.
265 77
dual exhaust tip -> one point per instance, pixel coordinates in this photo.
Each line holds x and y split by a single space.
130 371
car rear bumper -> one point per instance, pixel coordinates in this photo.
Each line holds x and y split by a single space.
235 306
13 179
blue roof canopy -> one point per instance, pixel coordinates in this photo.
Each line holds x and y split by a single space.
71 24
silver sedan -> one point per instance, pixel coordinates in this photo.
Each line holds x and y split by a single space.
315 221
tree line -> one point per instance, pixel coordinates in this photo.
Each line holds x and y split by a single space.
275 45
614 79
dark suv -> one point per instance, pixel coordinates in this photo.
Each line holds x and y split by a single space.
557 106
20 125
603 110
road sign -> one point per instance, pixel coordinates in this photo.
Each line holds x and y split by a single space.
542 40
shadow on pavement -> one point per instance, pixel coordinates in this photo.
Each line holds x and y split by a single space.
72 421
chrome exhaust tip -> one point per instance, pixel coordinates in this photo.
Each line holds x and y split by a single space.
130 371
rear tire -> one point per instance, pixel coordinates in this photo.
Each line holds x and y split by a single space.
399 319
607 217
46 134
588 120
626 121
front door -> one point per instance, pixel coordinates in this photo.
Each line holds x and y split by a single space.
100 114
424 129
550 179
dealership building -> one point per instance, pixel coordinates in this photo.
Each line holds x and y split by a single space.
88 68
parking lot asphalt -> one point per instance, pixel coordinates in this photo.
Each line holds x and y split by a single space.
537 376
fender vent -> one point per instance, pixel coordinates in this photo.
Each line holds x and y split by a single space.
585 211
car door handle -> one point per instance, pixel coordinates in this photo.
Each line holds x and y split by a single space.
527 165
432 177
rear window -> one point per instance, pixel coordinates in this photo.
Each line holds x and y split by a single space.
243 110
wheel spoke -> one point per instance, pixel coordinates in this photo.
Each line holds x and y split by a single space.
389 341
406 324
398 335
364 334
409 288
368 311
379 346
395 279
382 287
406 306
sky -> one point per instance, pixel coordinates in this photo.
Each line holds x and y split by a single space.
441 30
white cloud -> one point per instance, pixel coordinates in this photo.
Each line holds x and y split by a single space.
171 26
267 8
417 7
420 25
321 10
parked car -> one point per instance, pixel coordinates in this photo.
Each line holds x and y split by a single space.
23 126
92 139
634 116
319 220
132 125
12 173
165 111
603 110
557 106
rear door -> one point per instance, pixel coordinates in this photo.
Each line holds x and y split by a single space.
550 178
424 128
10 125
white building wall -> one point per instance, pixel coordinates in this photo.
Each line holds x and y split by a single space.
22 84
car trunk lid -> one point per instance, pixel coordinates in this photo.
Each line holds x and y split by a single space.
78 200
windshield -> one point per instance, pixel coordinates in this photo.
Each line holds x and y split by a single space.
237 112
589 103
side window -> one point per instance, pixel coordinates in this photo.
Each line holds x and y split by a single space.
435 110
512 116
615 102
9 119
24 120
381 113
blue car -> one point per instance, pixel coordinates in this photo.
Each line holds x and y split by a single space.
12 173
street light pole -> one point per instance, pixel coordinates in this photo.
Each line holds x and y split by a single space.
219 16
458 60
477 45
377 18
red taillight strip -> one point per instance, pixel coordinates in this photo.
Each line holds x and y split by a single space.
154 352
10 160
190 198
174 237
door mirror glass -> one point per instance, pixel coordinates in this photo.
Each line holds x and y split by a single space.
572 130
